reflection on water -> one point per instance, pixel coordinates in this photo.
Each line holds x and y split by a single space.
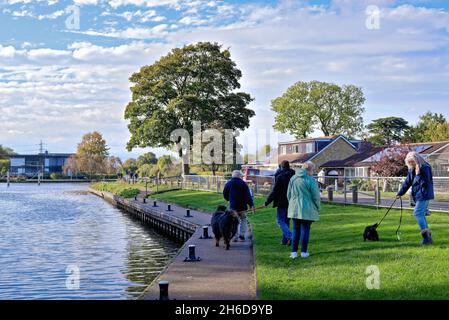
45 229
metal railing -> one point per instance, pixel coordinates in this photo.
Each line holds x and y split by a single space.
378 191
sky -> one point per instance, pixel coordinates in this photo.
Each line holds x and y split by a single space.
60 79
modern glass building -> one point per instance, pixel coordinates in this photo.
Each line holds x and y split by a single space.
31 165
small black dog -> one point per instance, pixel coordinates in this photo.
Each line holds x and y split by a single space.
371 233
224 225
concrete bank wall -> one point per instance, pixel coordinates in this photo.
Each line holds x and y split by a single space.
172 226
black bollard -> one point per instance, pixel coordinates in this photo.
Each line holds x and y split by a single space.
169 207
205 233
330 194
192 256
163 290
355 194
188 215
154 204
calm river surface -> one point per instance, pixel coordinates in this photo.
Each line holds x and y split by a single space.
51 232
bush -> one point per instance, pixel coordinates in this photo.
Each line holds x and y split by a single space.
56 176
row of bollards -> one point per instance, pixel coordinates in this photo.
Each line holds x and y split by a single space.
188 214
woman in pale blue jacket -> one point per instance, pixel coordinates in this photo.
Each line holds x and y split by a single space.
303 207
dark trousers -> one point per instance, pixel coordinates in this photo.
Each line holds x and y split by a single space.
301 231
284 223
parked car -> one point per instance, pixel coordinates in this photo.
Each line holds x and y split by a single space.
259 176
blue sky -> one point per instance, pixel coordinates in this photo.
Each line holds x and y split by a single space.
57 82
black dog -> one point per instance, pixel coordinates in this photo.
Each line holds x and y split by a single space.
371 233
224 225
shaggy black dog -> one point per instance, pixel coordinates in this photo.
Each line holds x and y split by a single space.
371 233
224 225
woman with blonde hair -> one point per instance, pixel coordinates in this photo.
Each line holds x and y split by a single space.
303 207
419 178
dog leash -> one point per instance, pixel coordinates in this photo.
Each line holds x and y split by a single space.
398 230
249 210
388 211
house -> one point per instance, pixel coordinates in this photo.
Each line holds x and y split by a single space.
30 165
318 150
359 164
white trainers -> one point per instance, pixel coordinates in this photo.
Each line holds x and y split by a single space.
305 255
294 255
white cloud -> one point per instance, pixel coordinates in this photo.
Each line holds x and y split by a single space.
158 31
7 52
86 2
46 53
146 3
190 20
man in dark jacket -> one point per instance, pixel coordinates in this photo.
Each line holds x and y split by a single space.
279 198
237 192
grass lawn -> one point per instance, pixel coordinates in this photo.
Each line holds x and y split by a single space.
339 257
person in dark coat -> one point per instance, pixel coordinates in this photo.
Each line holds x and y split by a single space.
237 192
420 180
279 198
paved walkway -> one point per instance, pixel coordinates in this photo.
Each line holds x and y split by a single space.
220 275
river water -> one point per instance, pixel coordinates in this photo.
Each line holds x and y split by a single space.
59 242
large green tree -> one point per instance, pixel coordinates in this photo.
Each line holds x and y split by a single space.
427 128
130 166
307 106
146 158
197 82
91 155
386 131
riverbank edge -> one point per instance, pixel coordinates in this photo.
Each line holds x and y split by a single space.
126 204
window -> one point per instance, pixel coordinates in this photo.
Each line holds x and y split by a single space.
17 162
309 147
283 149
361 172
296 148
350 172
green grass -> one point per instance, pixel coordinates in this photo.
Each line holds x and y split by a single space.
339 257
119 188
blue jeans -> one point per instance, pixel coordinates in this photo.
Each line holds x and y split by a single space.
284 223
420 212
301 230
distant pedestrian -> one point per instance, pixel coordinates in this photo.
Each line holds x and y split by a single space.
419 178
303 207
237 192
279 198
322 178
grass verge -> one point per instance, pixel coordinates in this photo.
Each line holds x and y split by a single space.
337 267
119 188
